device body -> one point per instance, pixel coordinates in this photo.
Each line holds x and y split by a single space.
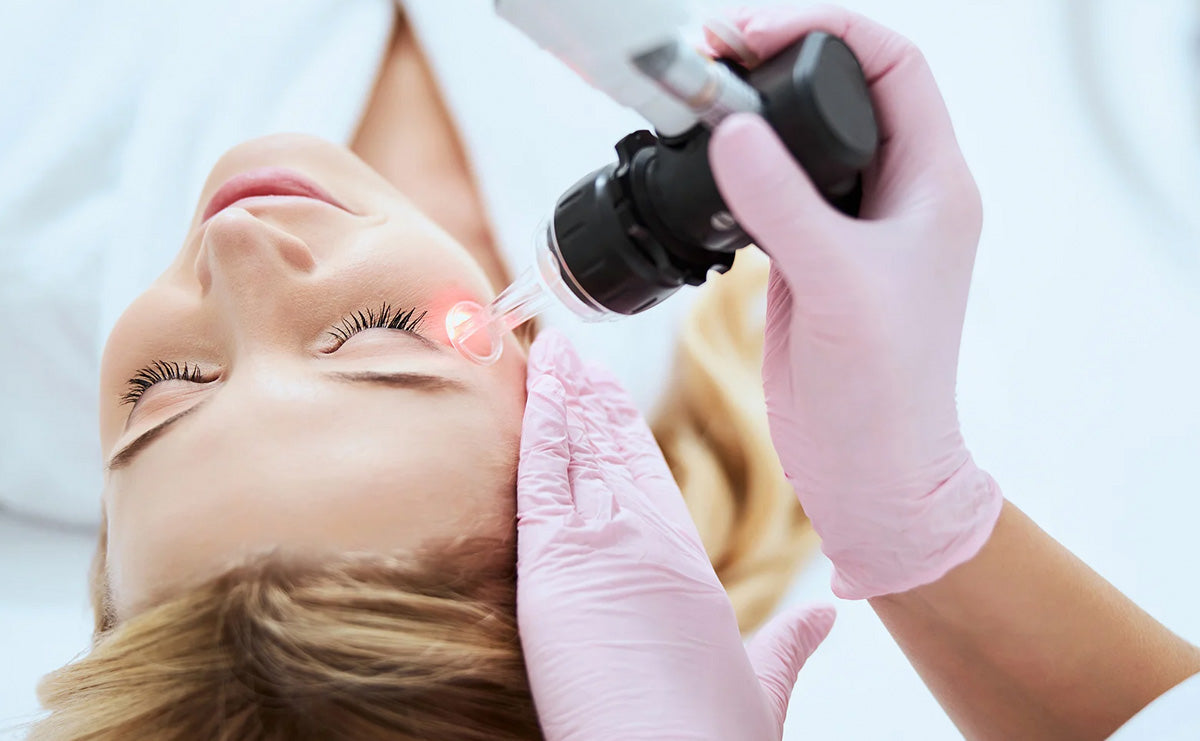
630 234
600 39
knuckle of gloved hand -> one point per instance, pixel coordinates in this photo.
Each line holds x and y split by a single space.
971 212
958 204
828 17
878 47
900 51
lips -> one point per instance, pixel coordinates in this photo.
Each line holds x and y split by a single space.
267 181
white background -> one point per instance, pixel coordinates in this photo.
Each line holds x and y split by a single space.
1078 380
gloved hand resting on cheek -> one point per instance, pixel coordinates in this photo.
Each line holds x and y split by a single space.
864 319
627 632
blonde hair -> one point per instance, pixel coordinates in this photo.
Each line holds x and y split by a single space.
392 647
400 648
712 427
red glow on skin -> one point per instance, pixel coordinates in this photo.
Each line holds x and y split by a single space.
439 306
450 308
484 345
458 314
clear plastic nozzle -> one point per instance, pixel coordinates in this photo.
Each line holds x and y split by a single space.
477 332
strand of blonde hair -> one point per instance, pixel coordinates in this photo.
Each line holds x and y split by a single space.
712 427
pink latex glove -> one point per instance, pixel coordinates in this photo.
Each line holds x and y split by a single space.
864 319
626 631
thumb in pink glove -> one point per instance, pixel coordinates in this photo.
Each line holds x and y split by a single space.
627 632
865 317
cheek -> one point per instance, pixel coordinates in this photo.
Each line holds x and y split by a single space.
510 375
407 265
124 351
147 552
453 476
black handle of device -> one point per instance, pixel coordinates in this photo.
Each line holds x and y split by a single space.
631 234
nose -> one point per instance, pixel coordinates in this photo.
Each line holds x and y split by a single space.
251 270
241 249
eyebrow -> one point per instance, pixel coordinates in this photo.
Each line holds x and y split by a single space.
404 380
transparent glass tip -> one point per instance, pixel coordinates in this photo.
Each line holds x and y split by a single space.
478 332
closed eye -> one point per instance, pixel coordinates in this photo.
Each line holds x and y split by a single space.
385 317
156 373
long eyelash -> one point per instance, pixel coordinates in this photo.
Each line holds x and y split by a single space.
385 318
157 372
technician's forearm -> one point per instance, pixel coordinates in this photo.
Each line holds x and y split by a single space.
1025 641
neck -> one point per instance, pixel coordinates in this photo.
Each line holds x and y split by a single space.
408 136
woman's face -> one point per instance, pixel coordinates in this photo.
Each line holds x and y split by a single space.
270 410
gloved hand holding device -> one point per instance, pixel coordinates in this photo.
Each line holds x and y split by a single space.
864 318
1014 635
627 632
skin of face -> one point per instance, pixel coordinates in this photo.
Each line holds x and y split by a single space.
281 444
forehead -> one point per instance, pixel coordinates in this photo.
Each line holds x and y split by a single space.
338 467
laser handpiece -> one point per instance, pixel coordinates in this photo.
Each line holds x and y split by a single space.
712 92
630 234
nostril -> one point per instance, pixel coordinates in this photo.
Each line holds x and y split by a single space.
234 241
297 254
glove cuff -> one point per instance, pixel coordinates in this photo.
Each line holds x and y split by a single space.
919 546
